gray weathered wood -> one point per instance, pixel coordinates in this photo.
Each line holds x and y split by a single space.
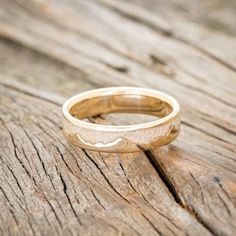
50 51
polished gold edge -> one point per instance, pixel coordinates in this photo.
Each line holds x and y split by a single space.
119 91
128 138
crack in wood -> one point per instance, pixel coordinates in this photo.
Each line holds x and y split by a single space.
68 198
153 225
163 176
175 195
97 199
105 177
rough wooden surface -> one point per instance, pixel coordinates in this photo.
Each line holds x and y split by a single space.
50 50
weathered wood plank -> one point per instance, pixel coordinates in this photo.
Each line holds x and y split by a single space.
196 96
207 26
49 186
104 45
182 192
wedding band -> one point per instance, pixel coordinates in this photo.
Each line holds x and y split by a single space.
123 138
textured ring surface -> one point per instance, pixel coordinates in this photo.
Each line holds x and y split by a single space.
124 138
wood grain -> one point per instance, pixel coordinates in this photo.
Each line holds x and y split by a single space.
52 50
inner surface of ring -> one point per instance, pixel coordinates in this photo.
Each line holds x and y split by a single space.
124 103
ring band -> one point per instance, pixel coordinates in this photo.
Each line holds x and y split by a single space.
123 138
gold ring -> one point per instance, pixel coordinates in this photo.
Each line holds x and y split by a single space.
123 138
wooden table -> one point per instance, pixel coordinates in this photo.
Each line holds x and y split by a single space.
51 50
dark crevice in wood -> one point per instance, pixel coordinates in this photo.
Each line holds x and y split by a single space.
68 198
63 159
122 69
15 149
175 194
157 60
97 199
104 176
102 157
162 66
59 205
153 226
159 212
148 202
17 181
26 157
169 220
201 189
211 229
128 180
32 159
13 190
40 157
36 150
195 180
162 175
10 207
